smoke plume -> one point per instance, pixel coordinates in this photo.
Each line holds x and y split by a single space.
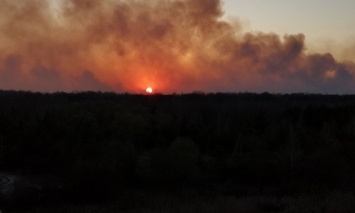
170 45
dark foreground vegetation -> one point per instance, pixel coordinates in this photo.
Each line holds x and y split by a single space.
178 153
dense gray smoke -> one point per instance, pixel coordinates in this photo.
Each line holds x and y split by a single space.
170 45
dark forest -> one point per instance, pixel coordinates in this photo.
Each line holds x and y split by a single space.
107 149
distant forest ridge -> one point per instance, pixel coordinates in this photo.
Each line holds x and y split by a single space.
242 95
294 142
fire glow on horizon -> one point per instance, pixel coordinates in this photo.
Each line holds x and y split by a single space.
174 45
149 90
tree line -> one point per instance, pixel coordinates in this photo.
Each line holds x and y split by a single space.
100 143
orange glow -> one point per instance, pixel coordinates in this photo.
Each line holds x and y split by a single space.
330 74
136 44
149 90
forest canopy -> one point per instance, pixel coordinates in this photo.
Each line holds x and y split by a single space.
120 140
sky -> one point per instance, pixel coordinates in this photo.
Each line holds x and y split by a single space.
327 24
178 46
319 19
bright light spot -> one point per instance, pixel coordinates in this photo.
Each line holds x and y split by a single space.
149 90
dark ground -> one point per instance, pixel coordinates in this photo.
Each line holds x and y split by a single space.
106 152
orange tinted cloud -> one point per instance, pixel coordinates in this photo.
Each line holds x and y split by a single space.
170 45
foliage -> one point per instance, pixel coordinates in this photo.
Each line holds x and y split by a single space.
106 141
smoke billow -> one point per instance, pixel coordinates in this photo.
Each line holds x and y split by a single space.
171 45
